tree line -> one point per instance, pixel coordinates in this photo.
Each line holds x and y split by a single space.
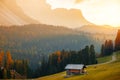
28 41
109 47
8 66
117 41
58 60
53 64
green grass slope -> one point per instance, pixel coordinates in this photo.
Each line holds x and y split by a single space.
104 59
110 71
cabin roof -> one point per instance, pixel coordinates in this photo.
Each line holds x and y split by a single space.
74 66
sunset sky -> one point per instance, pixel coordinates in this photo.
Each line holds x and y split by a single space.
100 12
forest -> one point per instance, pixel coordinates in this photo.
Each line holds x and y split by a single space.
58 60
55 62
12 69
34 41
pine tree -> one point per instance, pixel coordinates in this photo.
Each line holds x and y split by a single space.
102 50
108 48
8 74
25 67
1 73
85 55
5 73
92 55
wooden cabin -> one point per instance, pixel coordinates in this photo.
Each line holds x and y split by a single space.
72 69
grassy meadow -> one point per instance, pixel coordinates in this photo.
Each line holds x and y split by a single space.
110 71
104 59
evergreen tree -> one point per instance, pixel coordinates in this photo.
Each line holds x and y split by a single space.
102 50
110 43
92 55
44 67
1 73
107 48
5 73
8 74
25 67
58 60
85 55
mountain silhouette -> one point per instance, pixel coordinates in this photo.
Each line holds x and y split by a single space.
42 12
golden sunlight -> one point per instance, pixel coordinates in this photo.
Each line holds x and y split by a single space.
100 12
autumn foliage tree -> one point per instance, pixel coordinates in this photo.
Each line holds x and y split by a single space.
9 61
1 58
117 41
7 64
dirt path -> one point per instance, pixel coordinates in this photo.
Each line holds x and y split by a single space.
112 60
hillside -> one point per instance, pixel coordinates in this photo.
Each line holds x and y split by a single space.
12 14
98 29
34 41
109 71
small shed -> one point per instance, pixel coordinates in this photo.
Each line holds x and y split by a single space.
75 69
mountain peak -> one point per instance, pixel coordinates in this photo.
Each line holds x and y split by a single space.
41 11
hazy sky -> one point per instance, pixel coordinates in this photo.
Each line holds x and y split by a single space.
100 12
41 11
103 12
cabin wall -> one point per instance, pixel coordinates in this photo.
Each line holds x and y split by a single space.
73 71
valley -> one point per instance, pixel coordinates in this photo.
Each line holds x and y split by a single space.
38 40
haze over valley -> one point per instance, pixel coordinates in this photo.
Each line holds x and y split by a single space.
35 34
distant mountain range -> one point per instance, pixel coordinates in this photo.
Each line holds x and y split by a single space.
11 14
15 12
18 12
98 29
42 12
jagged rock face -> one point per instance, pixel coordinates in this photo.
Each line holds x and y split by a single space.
41 11
20 12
